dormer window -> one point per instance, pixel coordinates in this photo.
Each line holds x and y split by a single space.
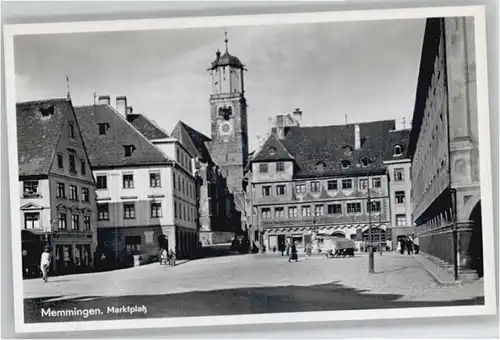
272 150
320 166
129 150
71 128
398 150
47 111
103 128
365 162
347 150
345 164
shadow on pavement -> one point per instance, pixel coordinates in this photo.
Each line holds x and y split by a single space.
326 297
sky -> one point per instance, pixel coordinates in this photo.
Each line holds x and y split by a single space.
365 70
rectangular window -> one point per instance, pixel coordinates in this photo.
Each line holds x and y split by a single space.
103 128
401 220
332 185
75 222
266 190
347 184
71 131
86 223
399 174
61 190
102 182
266 213
32 220
73 193
375 206
300 187
128 181
60 161
363 183
280 190
103 212
293 212
154 180
83 167
175 209
155 209
334 209
263 168
85 195
30 189
376 182
400 197
61 221
306 210
128 150
314 186
353 208
128 211
319 210
279 212
72 162
280 166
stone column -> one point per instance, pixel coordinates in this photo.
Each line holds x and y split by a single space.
464 233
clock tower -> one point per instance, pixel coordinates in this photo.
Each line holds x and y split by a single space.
229 146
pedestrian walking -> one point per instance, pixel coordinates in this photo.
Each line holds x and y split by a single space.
402 242
45 264
171 258
163 257
293 254
409 245
416 245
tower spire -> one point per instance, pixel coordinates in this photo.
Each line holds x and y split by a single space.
225 40
68 93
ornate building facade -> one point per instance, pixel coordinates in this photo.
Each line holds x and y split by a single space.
58 202
319 180
444 147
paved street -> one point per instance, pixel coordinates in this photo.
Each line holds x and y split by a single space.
249 284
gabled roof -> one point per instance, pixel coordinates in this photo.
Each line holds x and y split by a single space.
38 135
272 151
324 146
193 140
145 126
401 138
108 150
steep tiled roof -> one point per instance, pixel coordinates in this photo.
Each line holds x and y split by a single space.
193 140
38 135
272 150
146 126
319 150
401 138
108 150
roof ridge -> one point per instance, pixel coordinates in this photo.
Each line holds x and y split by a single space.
153 123
343 125
136 130
193 129
41 101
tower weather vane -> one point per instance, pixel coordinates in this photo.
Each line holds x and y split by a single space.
226 40
68 93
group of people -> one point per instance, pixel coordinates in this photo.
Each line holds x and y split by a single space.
167 257
411 245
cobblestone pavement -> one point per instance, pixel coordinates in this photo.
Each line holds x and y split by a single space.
395 274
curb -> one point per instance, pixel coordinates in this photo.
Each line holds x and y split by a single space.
432 271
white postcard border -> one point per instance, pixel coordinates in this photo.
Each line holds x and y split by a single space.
478 12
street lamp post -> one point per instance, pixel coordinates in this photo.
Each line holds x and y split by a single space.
371 260
380 230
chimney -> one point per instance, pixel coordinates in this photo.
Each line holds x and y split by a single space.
129 110
297 115
357 137
121 105
104 100
280 126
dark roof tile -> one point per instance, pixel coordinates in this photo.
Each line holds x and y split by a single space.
147 127
272 150
108 150
401 138
193 140
38 135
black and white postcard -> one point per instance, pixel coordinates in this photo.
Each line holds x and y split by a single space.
250 169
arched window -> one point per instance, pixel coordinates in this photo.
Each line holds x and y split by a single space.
345 164
365 162
320 166
272 150
398 150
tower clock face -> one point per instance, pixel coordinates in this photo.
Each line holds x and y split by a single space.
225 128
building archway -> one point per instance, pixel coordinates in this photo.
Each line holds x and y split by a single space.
338 234
476 242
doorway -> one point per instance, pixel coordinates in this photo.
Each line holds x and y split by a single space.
476 242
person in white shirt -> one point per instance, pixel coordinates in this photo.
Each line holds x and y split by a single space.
45 263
